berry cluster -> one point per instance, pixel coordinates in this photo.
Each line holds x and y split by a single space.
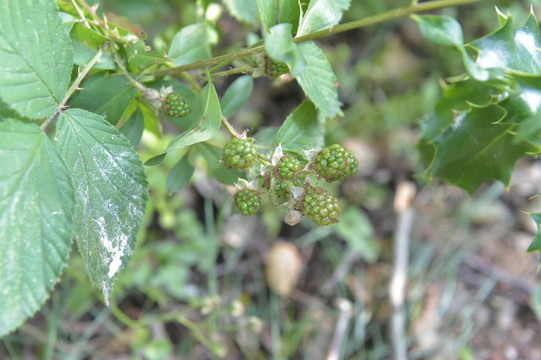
335 163
176 106
288 167
276 69
286 179
239 153
320 206
247 201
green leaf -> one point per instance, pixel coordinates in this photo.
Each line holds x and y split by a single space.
107 95
35 57
512 50
87 36
84 53
150 119
445 30
236 95
267 13
196 111
203 130
318 80
243 10
190 44
536 243
289 11
477 148
133 128
356 230
280 47
36 220
7 112
217 168
141 57
111 192
322 14
303 129
179 175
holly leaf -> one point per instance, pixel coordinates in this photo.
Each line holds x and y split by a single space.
478 147
111 192
514 51
35 57
37 205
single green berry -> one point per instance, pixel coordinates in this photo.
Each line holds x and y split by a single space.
334 163
320 206
288 167
282 190
247 201
239 153
277 69
176 106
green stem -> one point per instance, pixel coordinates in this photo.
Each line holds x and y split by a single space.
230 128
231 72
370 20
73 87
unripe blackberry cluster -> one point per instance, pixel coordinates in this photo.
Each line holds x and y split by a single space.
247 201
176 106
239 153
282 190
288 167
320 206
285 179
277 68
334 163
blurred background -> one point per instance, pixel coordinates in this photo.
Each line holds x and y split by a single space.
207 283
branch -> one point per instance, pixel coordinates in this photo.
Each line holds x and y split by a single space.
370 20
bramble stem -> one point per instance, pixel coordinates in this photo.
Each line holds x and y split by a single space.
74 87
370 20
230 128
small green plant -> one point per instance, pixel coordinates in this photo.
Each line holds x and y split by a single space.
77 92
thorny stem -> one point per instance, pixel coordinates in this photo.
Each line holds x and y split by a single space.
370 20
230 128
231 72
73 87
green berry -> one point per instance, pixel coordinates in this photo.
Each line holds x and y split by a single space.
334 163
320 206
288 167
239 153
176 106
282 190
277 69
247 201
